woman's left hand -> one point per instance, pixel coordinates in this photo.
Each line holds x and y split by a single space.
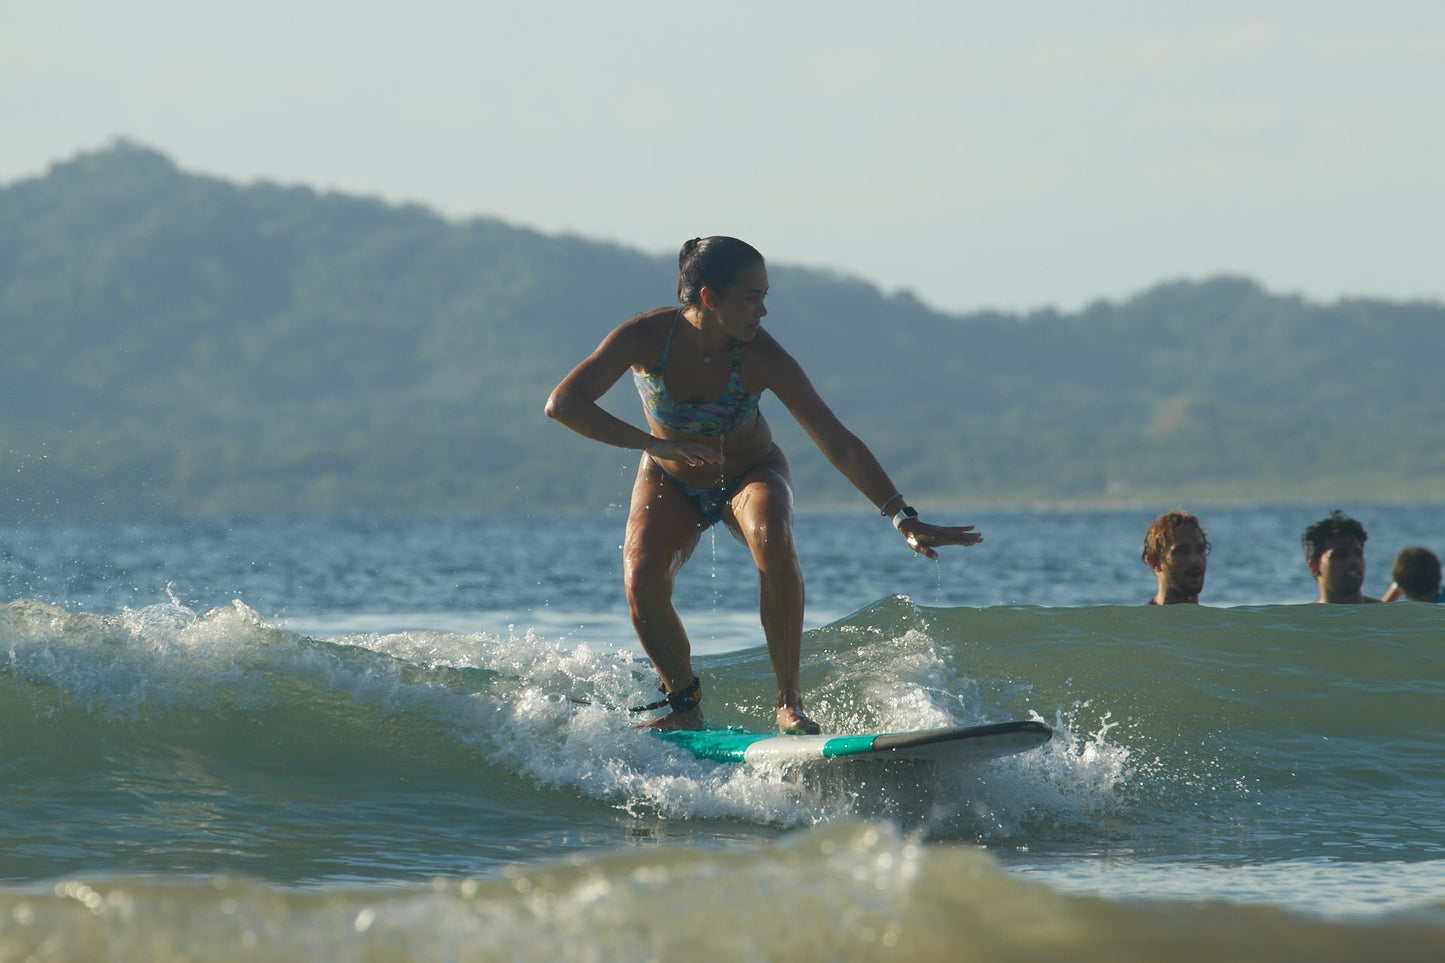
924 538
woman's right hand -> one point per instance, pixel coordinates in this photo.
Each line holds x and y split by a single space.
687 452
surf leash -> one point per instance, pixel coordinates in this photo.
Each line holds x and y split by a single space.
683 700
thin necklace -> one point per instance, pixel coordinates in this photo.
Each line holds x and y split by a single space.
706 358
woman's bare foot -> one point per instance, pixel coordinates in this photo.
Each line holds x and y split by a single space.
792 722
673 721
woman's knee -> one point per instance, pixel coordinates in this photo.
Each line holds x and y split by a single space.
770 538
648 577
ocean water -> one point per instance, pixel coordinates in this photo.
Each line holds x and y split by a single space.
361 739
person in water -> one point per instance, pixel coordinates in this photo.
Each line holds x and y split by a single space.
1416 577
709 457
1177 550
1335 554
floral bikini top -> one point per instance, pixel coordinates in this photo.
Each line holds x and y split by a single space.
728 413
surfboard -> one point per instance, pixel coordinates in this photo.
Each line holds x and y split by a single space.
950 744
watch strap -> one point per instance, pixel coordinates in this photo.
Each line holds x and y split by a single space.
903 515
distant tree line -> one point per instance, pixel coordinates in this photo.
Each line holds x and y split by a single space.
180 345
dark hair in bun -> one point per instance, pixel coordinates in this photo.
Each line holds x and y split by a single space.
715 262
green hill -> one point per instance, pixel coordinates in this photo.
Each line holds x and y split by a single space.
175 344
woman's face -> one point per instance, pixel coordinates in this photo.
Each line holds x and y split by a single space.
741 309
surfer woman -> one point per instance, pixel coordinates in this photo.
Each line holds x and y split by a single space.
710 457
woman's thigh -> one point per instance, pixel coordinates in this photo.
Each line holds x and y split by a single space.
760 511
663 527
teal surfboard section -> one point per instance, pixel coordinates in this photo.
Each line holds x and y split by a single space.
719 745
731 745
847 746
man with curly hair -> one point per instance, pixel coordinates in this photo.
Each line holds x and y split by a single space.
1335 554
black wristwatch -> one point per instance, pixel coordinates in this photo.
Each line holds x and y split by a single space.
904 514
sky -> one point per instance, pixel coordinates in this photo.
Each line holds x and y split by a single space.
978 155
